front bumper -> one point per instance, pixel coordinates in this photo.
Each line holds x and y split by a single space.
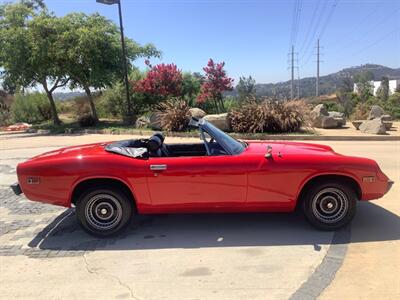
389 186
16 189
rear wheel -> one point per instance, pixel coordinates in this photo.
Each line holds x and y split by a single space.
104 211
329 205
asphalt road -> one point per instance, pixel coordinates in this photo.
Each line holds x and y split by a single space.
45 254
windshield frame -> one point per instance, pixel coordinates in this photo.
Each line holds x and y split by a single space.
228 143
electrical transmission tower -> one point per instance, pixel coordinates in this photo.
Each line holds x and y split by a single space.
318 62
292 67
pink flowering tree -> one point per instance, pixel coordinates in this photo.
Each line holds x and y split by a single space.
215 83
162 81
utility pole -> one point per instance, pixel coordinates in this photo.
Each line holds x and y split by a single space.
298 83
317 82
292 67
129 117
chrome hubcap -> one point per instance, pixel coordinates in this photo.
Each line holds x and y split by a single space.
330 205
103 212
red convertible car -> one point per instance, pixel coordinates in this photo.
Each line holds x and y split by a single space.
109 183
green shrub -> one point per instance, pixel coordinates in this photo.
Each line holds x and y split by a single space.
112 102
392 105
333 106
65 107
173 114
269 116
230 103
31 108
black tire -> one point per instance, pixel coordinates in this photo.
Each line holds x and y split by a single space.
329 205
104 211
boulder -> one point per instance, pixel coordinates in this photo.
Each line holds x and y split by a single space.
325 122
374 126
387 124
339 117
386 118
154 121
321 118
357 124
375 112
197 113
142 122
220 121
319 110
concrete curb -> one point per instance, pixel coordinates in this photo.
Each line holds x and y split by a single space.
326 271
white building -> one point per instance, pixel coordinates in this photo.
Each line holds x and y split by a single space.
394 84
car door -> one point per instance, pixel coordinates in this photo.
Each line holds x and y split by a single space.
205 182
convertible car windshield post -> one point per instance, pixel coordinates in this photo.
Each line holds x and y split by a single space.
221 139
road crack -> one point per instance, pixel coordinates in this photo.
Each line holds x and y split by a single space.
116 278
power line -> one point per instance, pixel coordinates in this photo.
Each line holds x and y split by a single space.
297 8
334 4
377 41
294 20
310 26
366 34
321 16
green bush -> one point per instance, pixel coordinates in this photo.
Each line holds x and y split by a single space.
230 103
333 106
31 108
392 105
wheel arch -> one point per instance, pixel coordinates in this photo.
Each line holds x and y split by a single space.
328 177
83 184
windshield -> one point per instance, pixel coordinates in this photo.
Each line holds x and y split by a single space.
230 144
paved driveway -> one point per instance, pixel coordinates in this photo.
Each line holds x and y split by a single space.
45 254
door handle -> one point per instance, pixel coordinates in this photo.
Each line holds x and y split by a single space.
158 167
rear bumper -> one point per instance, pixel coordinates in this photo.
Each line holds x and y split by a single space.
16 188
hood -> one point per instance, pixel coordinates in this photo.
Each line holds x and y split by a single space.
289 148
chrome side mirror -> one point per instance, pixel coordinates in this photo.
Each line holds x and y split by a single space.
269 152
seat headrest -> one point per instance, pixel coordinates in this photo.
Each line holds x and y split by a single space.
160 135
154 143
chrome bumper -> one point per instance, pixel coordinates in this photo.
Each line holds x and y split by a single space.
16 189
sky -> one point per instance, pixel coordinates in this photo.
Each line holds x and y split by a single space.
253 36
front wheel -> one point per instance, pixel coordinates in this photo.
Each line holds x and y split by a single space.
329 205
104 211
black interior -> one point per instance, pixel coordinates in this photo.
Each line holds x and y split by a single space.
156 148
196 149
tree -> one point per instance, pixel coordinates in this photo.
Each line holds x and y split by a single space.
364 86
30 48
93 53
215 83
383 91
246 87
190 87
347 85
345 96
162 81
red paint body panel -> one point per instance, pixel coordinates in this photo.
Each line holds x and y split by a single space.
248 182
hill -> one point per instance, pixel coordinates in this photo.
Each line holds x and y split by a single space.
328 83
